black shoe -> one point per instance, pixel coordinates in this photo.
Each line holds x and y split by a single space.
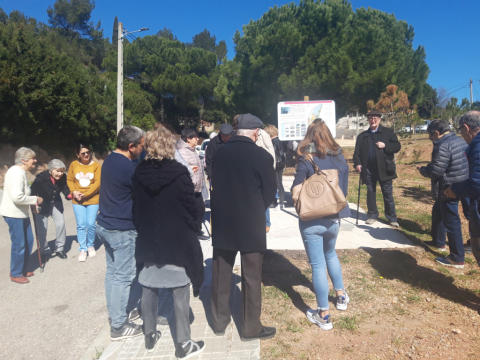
203 237
133 315
266 333
61 254
468 249
151 340
188 349
128 330
162 320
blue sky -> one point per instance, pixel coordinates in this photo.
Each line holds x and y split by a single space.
449 30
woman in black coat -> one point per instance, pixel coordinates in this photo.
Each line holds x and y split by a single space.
49 184
164 215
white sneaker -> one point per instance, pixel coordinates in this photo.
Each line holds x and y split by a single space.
82 256
314 317
276 208
342 301
91 252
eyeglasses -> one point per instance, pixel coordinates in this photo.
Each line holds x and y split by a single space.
461 127
86 153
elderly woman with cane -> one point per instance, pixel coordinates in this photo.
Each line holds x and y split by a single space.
49 184
14 209
164 214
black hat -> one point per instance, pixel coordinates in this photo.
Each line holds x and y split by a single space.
248 122
377 113
226 129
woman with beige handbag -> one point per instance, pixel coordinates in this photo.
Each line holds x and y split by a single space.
319 191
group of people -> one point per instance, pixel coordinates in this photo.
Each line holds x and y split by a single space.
454 173
148 214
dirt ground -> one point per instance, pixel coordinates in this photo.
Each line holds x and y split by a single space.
403 304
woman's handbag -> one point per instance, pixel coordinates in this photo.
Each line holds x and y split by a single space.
318 196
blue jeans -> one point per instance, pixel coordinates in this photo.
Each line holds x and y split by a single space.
267 217
86 216
22 243
446 221
319 237
121 270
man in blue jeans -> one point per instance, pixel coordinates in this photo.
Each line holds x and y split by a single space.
116 231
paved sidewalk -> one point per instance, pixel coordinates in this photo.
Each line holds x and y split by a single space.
284 235
226 347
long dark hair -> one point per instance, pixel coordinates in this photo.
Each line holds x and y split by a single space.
82 145
318 134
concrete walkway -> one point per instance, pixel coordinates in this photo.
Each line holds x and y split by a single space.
284 235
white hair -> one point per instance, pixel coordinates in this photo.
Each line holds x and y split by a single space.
24 154
213 134
56 164
247 132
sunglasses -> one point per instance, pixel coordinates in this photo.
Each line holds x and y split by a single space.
86 153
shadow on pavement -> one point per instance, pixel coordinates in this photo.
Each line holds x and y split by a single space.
396 264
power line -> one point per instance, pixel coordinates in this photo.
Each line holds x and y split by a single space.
468 81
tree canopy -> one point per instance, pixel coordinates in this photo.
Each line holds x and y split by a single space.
327 51
58 80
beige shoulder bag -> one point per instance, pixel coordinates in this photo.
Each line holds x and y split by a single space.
318 196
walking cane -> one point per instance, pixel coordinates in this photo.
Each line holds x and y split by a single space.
359 186
38 242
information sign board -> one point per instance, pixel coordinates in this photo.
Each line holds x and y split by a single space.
294 117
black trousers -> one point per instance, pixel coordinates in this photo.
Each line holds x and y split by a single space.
387 192
201 211
181 304
281 190
222 266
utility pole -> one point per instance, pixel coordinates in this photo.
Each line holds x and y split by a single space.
471 92
121 34
120 79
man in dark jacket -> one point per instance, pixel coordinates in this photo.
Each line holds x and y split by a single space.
449 165
470 128
244 186
218 141
373 158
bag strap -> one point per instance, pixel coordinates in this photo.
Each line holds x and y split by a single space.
316 169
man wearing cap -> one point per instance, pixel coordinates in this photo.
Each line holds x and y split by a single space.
374 159
217 142
244 186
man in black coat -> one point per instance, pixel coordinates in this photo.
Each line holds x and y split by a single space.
221 139
373 158
449 165
243 187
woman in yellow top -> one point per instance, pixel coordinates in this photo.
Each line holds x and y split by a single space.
83 179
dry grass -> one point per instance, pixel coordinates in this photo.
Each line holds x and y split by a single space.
403 304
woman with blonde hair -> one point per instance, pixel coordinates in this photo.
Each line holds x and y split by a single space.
14 208
164 215
320 235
